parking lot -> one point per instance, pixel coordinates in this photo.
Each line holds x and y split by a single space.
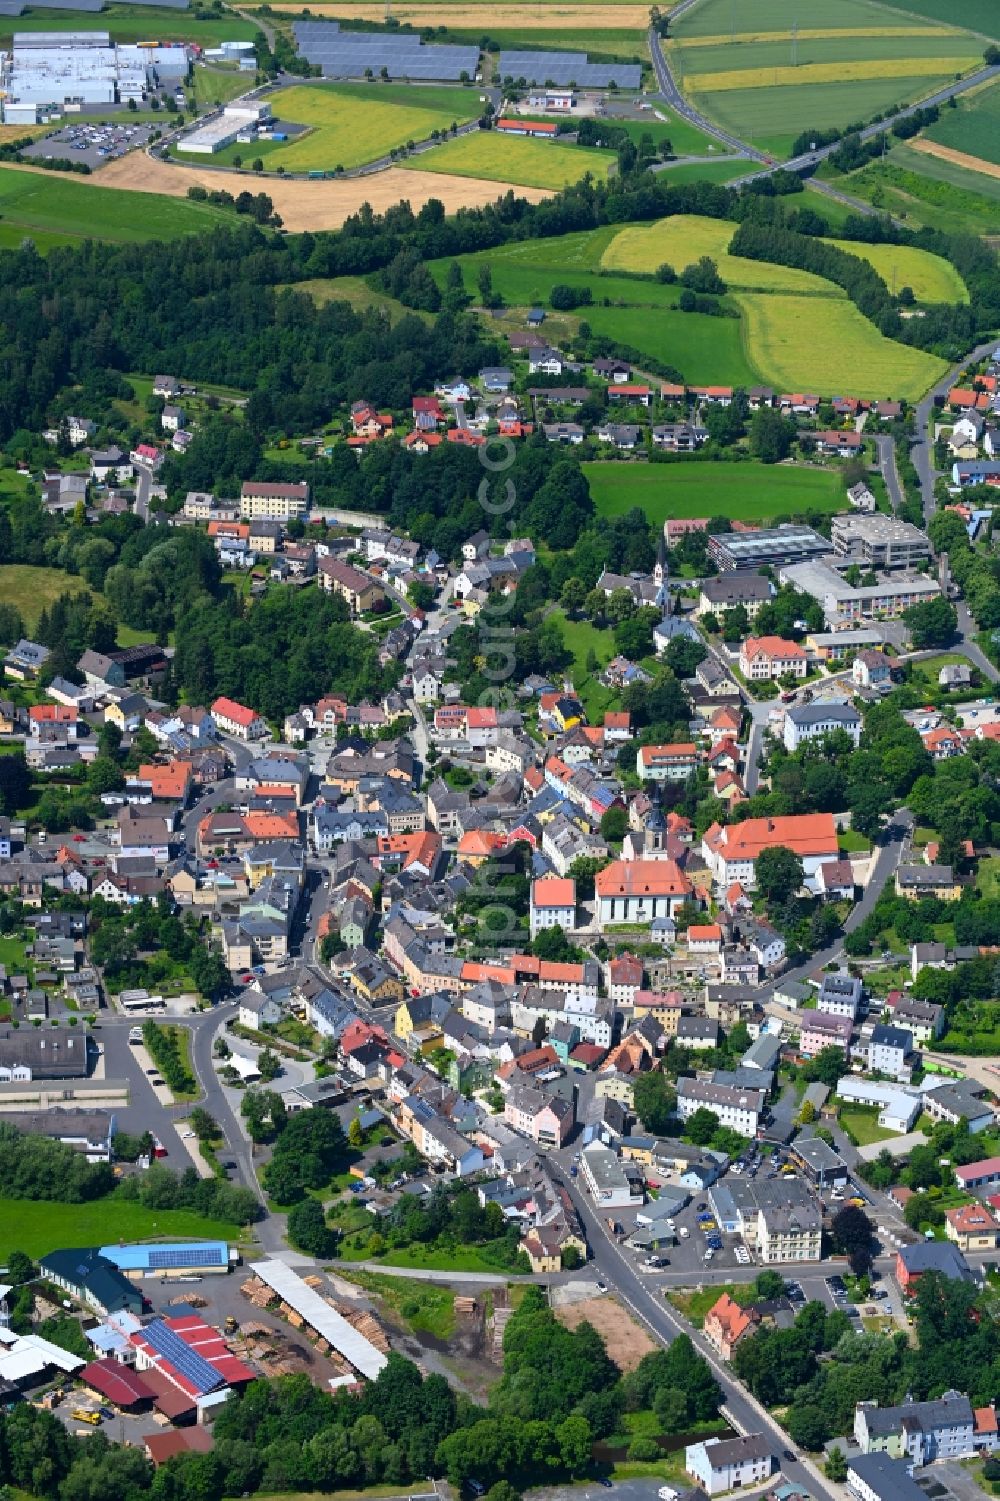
94 144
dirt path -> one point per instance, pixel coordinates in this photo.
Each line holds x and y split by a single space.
310 205
957 158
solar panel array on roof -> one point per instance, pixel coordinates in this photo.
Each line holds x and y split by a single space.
348 54
189 1256
192 1366
565 68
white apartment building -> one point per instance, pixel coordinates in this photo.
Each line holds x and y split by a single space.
739 1109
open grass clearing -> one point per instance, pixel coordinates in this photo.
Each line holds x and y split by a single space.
683 239
33 201
460 1258
515 159
802 344
524 282
582 638
32 590
988 877
747 492
39 1226
685 139
356 291
931 277
705 349
850 842
724 170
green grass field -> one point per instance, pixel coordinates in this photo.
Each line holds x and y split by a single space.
925 190
498 158
723 170
862 1127
803 344
601 42
743 492
685 139
581 639
51 209
139 23
973 126
771 118
978 15
683 239
716 17
705 349
39 1227
32 590
427 1308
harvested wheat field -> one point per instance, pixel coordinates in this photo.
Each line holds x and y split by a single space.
310 205
625 1339
595 15
957 158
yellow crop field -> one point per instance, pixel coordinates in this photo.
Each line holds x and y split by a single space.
347 132
809 344
683 239
514 159
930 278
593 14
820 33
840 72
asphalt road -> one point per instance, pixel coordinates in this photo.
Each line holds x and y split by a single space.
922 453
681 106
886 450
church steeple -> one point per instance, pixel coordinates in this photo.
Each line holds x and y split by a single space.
661 575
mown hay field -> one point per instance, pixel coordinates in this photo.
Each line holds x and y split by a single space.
685 238
931 278
809 344
721 18
514 159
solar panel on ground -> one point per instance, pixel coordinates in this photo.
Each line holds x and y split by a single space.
565 68
192 1366
349 54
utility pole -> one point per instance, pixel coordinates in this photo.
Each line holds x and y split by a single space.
795 44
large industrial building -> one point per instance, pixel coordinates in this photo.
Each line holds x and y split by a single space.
49 72
239 121
403 54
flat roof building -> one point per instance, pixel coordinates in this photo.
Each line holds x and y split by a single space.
768 546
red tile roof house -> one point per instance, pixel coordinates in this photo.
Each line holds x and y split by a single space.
727 1324
972 1227
766 657
236 719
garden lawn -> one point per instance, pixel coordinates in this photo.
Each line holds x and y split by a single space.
74 208
694 1306
703 348
461 1259
852 843
862 1127
514 159
352 124
581 639
743 492
988 877
684 238
803 344
37 1227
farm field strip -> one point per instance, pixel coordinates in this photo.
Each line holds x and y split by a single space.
830 347
706 350
715 17
972 129
977 15
930 190
957 158
514 159
820 33
73 208
894 55
844 71
597 16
